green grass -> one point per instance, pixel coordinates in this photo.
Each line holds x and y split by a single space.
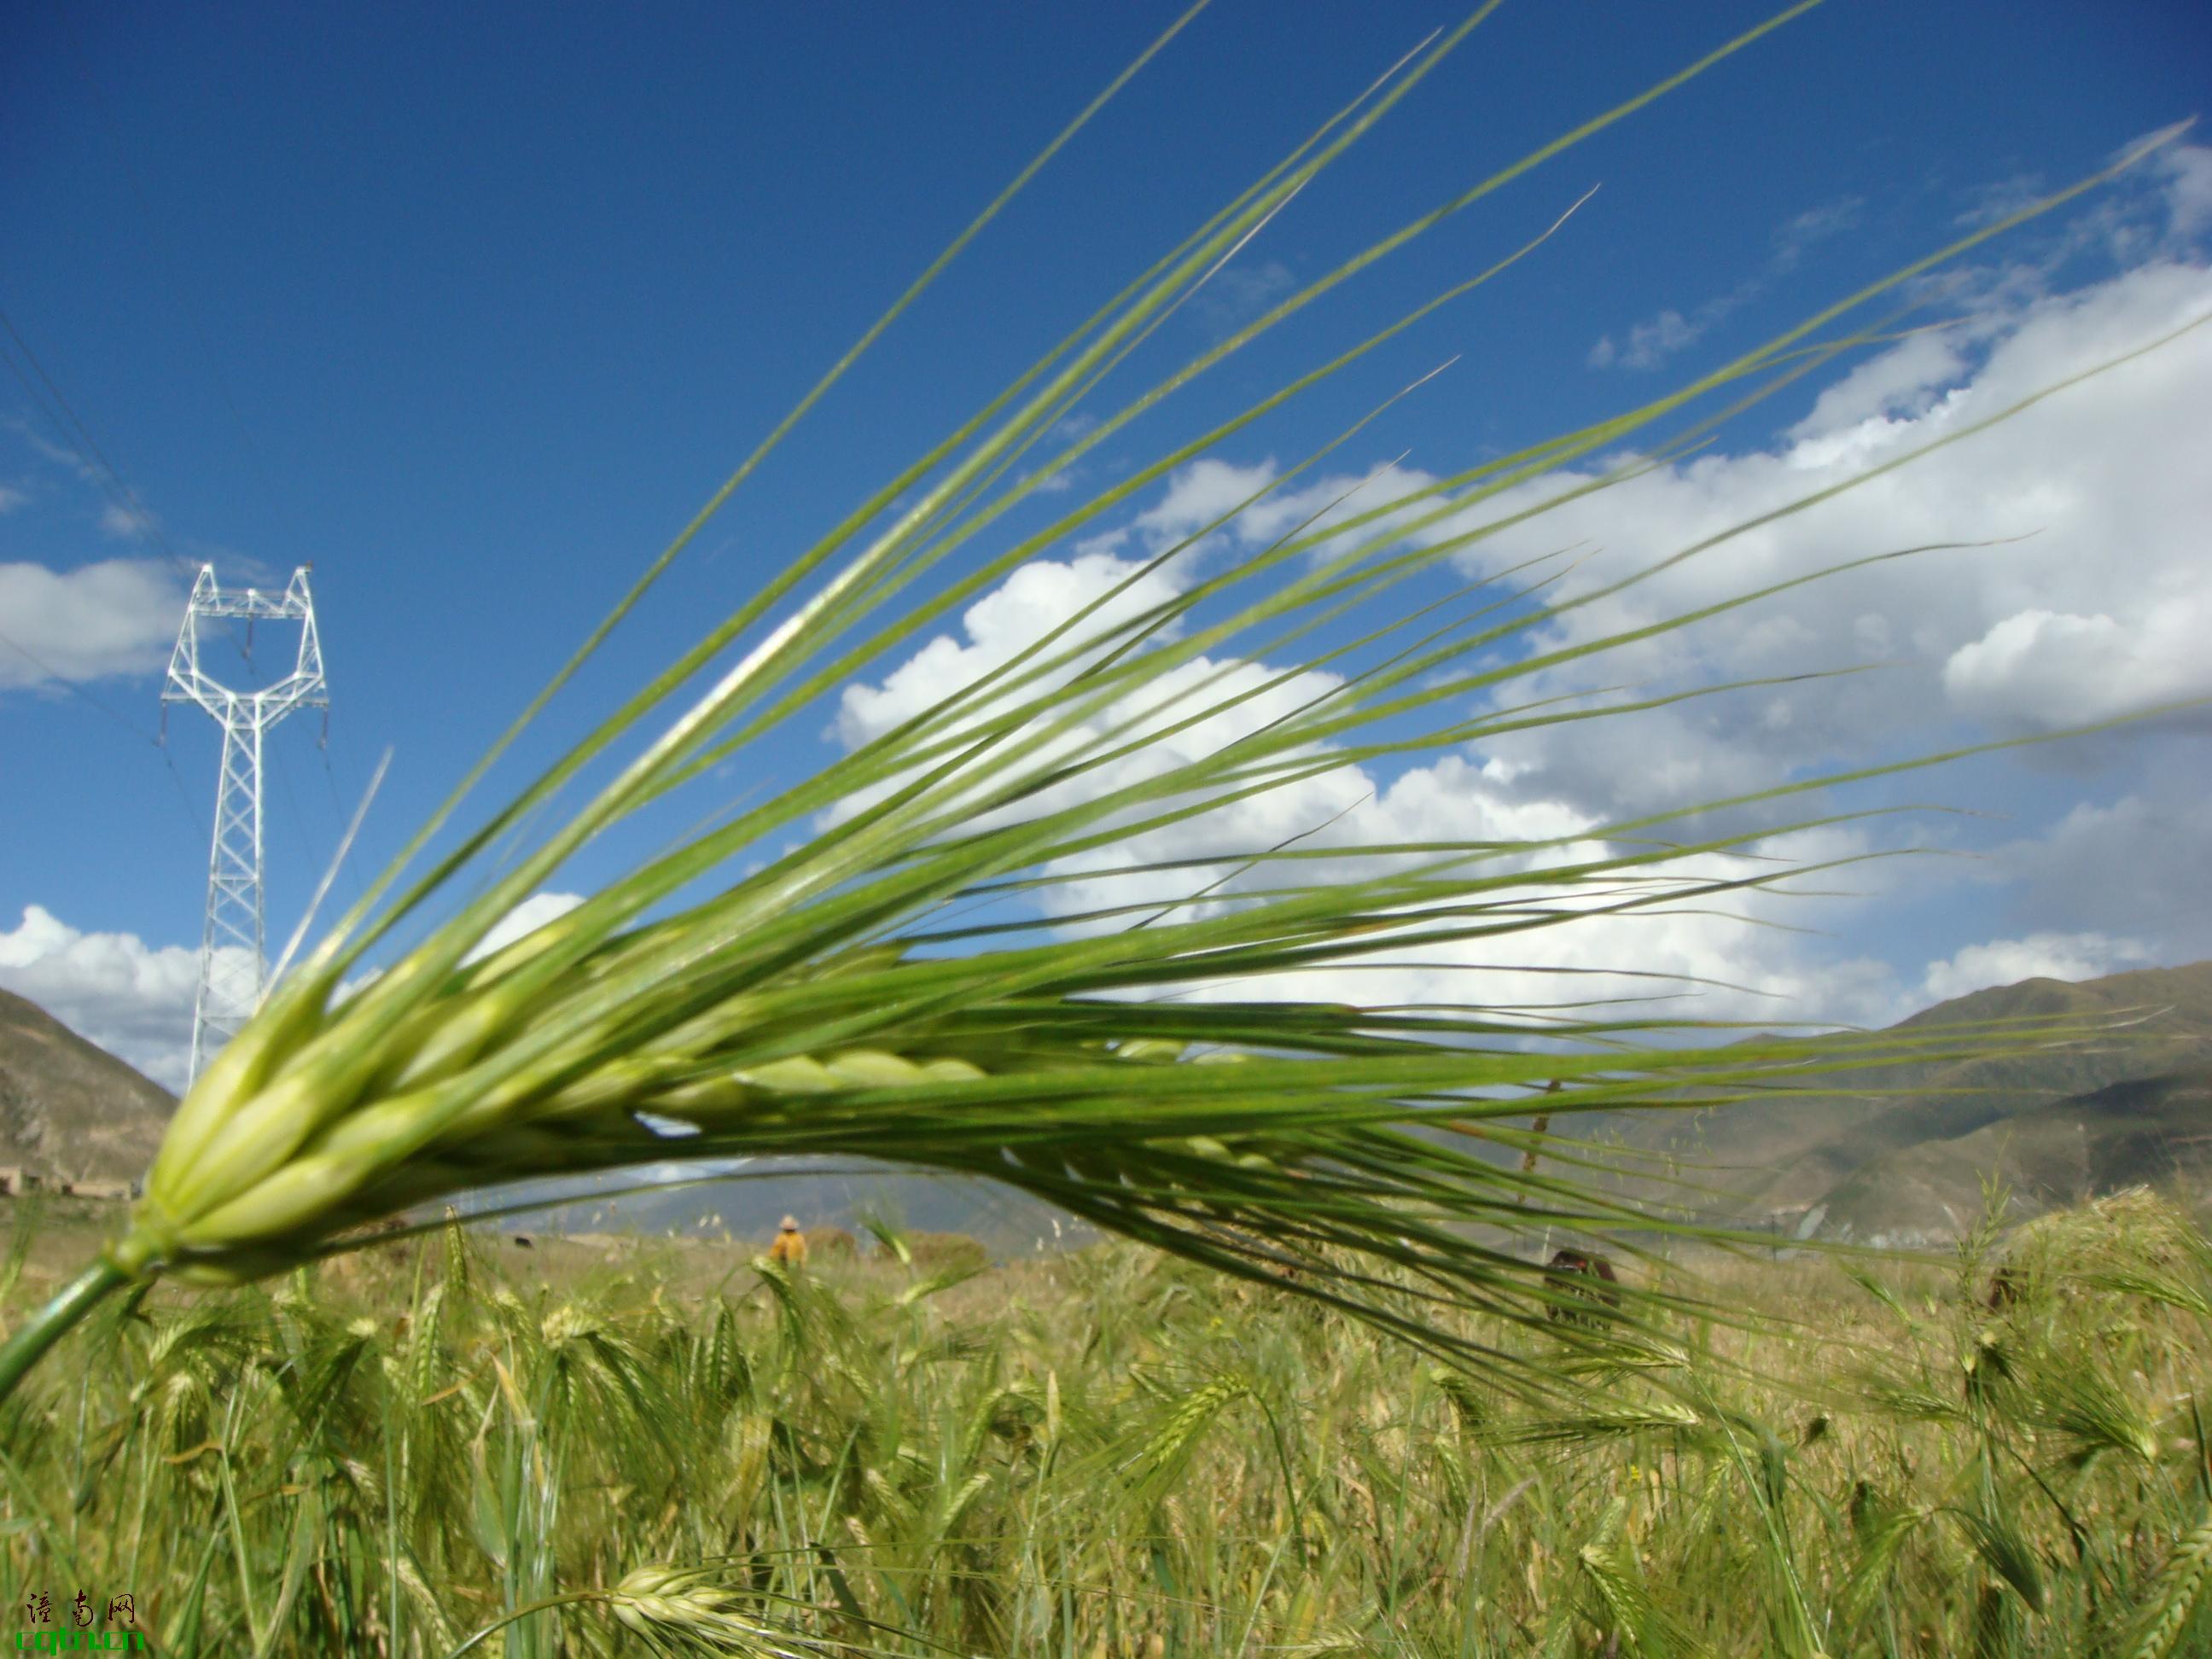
1112 1453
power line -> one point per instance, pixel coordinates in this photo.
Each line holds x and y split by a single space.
76 438
337 806
299 821
184 797
67 684
163 261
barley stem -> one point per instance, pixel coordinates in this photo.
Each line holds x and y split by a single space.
25 1348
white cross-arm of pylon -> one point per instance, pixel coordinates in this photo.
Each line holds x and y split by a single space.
233 954
303 688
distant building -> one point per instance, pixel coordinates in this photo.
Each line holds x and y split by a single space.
15 1181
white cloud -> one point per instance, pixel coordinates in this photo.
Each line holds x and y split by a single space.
11 498
1236 294
1764 973
2095 613
2158 210
1210 489
122 522
2043 669
1018 613
1904 380
1717 956
526 918
135 1000
1197 495
2140 866
1817 224
1649 343
2186 172
118 616
113 989
2097 609
2039 956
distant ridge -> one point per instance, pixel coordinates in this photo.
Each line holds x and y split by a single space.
2144 1132
1897 1154
69 1110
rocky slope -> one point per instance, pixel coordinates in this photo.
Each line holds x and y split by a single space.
70 1111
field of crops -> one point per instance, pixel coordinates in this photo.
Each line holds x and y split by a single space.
1106 1454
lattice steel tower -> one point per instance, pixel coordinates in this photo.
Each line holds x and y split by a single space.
234 958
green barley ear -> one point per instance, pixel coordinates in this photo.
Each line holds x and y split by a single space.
1159 1459
2005 1549
673 1611
2075 1397
677 1611
1469 1409
1883 1534
843 996
2175 1594
1621 1595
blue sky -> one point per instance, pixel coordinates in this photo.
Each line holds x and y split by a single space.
473 307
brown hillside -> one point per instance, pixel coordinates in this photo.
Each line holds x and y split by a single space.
2146 1132
70 1110
1781 1158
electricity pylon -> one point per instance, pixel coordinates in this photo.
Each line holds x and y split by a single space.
233 957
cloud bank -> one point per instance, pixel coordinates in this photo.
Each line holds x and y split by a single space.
101 621
112 989
2093 604
2061 581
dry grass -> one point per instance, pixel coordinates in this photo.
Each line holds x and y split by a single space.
1108 1452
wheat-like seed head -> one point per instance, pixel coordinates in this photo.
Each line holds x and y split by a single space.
2174 1594
684 1610
843 997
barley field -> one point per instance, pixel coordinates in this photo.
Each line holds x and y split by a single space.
449 1444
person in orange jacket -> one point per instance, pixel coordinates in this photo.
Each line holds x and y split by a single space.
790 1246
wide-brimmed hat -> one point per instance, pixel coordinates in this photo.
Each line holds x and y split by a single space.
790 1225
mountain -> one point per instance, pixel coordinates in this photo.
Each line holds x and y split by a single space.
1893 1151
2143 1131
69 1110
